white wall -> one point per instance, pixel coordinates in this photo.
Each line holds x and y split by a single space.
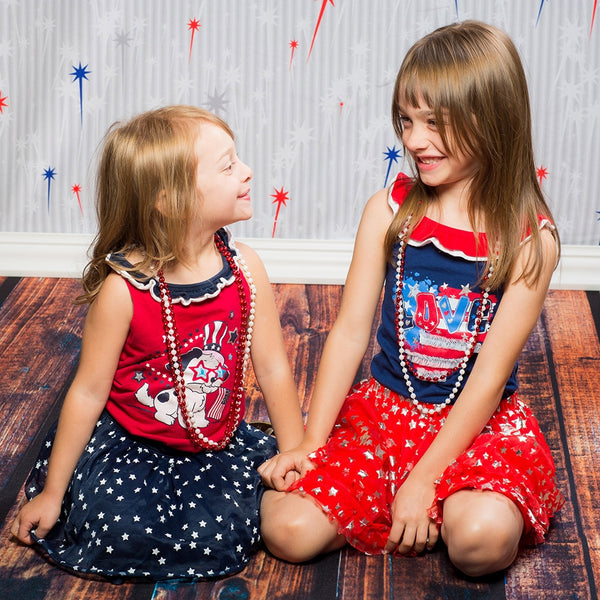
286 260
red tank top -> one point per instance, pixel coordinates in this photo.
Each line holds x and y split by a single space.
142 398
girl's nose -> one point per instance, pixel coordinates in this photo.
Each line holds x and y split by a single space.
246 172
415 138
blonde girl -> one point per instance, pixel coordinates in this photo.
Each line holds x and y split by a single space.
151 472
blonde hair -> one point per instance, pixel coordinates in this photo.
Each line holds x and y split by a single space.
471 77
147 159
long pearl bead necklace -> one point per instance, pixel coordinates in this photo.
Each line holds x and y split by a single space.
405 364
242 354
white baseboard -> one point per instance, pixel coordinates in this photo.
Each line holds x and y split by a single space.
286 261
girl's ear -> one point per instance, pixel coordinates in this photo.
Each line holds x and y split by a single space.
161 202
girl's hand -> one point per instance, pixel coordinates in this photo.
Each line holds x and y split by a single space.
412 529
39 515
283 469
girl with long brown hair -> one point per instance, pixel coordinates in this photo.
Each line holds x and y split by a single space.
438 440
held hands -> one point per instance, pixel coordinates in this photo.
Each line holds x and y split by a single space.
38 515
283 469
412 529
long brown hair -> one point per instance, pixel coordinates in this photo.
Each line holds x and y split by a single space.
149 157
471 77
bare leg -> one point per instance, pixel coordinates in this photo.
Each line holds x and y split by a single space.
295 529
482 531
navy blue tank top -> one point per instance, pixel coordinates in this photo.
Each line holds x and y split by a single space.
441 299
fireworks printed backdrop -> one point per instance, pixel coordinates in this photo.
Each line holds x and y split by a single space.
305 85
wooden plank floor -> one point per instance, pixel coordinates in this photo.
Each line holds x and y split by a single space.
39 342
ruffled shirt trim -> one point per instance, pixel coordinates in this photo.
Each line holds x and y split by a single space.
183 294
452 241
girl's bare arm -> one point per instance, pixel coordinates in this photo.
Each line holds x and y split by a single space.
105 331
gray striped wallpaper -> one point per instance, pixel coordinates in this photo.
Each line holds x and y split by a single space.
313 123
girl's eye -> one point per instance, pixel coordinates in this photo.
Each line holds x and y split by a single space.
229 165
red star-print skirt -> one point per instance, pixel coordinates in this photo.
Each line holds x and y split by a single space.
379 436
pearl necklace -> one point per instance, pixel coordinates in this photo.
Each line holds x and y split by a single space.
405 363
242 354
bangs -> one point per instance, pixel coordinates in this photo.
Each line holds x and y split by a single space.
436 78
418 86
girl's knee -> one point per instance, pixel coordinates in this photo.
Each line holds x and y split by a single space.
484 537
480 548
293 528
280 527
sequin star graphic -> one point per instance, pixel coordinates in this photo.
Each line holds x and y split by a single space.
542 173
79 74
2 102
323 5
293 46
76 189
193 26
49 174
280 198
391 155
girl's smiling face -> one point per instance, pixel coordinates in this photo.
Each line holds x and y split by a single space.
438 166
222 179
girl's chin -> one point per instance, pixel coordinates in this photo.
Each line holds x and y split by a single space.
246 214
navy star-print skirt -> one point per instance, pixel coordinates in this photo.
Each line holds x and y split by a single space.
136 510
